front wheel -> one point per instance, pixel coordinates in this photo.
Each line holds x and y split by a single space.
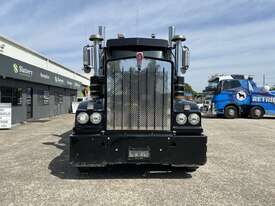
256 113
230 112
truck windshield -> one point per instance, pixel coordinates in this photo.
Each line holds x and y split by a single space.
213 84
231 84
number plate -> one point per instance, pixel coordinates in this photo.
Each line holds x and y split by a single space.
139 153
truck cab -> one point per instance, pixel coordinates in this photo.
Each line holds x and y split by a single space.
242 97
136 114
211 88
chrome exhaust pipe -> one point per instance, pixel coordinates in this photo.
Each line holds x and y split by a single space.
96 39
171 35
101 32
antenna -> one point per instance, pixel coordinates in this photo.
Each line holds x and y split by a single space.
137 18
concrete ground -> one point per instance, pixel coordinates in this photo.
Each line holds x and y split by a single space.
240 170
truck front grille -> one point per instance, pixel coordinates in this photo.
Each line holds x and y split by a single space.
138 99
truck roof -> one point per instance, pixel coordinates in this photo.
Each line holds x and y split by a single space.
141 42
220 77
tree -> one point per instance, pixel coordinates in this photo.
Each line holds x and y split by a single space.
188 89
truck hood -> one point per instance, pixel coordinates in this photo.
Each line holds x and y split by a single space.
179 105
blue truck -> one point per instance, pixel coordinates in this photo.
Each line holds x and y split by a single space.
234 98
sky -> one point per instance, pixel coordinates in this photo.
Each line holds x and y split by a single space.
224 36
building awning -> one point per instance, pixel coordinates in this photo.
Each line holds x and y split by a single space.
13 68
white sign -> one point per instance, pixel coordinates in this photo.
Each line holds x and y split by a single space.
44 76
263 99
19 69
5 115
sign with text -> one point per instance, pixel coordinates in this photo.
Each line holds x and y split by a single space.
16 69
5 115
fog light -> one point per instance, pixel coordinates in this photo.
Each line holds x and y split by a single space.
181 119
95 118
82 118
194 119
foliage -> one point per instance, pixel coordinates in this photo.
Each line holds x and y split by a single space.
189 89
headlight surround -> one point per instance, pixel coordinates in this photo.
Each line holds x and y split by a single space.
82 118
194 119
95 118
181 119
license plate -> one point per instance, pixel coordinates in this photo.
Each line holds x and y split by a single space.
138 153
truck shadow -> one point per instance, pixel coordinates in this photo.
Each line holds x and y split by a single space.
61 168
269 117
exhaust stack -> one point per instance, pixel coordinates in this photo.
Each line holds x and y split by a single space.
96 39
101 32
171 35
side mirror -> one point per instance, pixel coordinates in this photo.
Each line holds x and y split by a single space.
185 58
88 54
211 89
219 88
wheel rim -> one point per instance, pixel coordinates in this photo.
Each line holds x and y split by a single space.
231 112
257 112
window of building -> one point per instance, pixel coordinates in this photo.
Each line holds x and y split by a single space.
17 96
46 98
58 98
11 95
6 95
43 97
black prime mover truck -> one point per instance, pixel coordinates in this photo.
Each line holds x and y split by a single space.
137 113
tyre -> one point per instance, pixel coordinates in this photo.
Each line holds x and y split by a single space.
186 169
83 169
190 169
256 113
230 112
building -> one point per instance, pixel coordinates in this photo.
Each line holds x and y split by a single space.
36 86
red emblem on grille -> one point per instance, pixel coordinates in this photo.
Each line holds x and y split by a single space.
139 56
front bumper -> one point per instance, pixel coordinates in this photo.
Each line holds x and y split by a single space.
166 149
209 110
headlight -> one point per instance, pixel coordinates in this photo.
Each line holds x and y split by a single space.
181 119
95 118
194 119
82 118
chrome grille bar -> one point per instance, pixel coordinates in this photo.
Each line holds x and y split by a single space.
138 99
